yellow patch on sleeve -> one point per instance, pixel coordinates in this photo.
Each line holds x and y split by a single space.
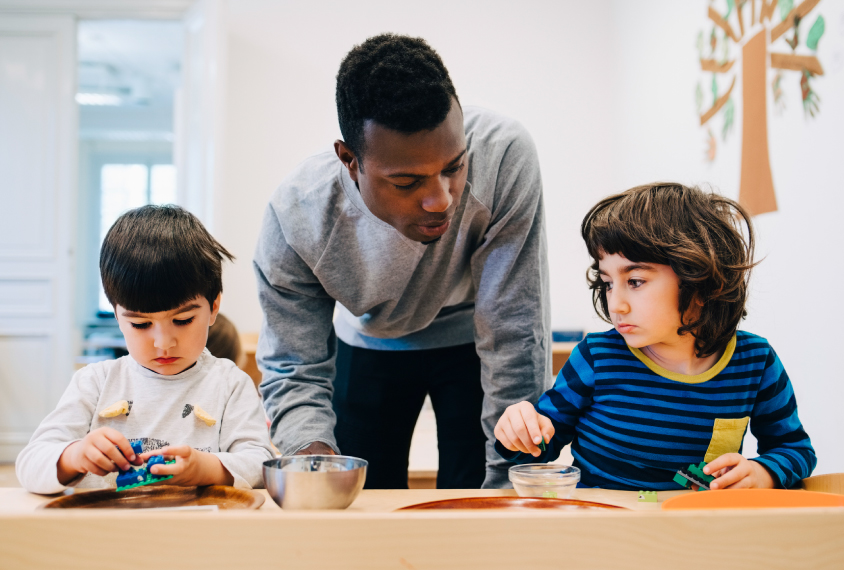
727 435
204 416
116 409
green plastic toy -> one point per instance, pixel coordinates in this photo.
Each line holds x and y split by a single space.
647 497
694 474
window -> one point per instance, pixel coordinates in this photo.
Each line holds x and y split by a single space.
127 186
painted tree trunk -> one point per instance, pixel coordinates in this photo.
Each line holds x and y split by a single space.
756 190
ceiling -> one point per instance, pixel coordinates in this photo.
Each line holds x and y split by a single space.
129 62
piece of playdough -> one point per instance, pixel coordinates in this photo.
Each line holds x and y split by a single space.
120 408
204 416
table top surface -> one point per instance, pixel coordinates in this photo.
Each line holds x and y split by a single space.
19 501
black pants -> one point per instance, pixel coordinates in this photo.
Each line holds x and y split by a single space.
377 398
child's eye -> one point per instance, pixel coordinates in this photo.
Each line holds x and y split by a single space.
140 325
406 186
183 322
635 283
608 285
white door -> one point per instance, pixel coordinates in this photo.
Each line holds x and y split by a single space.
37 207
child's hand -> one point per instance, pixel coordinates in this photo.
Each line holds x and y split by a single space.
192 467
521 428
102 451
734 471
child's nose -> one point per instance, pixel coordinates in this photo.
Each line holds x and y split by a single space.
164 340
618 304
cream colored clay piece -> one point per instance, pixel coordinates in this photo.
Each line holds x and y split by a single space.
120 408
204 416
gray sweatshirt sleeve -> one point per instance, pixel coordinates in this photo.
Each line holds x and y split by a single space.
37 465
512 310
243 435
297 345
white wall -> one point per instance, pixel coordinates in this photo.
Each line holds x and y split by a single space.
607 90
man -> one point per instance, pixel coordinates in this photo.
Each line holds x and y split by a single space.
428 236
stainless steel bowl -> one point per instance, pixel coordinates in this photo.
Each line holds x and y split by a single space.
314 481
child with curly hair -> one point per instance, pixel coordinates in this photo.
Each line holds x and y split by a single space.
674 382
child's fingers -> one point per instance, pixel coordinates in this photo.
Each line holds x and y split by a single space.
96 458
515 440
731 477
91 467
502 437
163 469
531 426
726 460
175 451
743 483
118 439
107 448
547 427
720 472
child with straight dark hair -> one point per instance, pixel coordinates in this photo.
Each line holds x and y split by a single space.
162 272
674 382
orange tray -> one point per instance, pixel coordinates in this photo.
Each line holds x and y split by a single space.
753 499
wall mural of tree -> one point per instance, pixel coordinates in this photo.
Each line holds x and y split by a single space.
745 31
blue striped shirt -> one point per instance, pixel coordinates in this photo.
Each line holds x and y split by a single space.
632 424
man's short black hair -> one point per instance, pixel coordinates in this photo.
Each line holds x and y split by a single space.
157 258
397 81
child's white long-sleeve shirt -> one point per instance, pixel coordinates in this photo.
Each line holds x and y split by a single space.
162 413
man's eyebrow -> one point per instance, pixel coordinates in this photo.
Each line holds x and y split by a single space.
176 311
412 175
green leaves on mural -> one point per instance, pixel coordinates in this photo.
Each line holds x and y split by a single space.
815 33
785 8
729 116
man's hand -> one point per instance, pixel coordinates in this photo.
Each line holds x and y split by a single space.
192 467
316 448
521 428
102 451
734 471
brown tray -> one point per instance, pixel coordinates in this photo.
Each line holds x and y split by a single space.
160 496
511 503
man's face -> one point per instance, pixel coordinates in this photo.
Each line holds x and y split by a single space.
413 182
168 342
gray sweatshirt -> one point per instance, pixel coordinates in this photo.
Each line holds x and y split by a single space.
485 281
161 414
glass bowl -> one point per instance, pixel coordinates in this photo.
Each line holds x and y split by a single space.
549 480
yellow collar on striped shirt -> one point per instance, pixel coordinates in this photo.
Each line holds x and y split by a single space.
688 378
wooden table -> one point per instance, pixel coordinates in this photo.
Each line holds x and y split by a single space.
371 535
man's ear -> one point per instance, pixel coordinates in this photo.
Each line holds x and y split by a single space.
348 158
